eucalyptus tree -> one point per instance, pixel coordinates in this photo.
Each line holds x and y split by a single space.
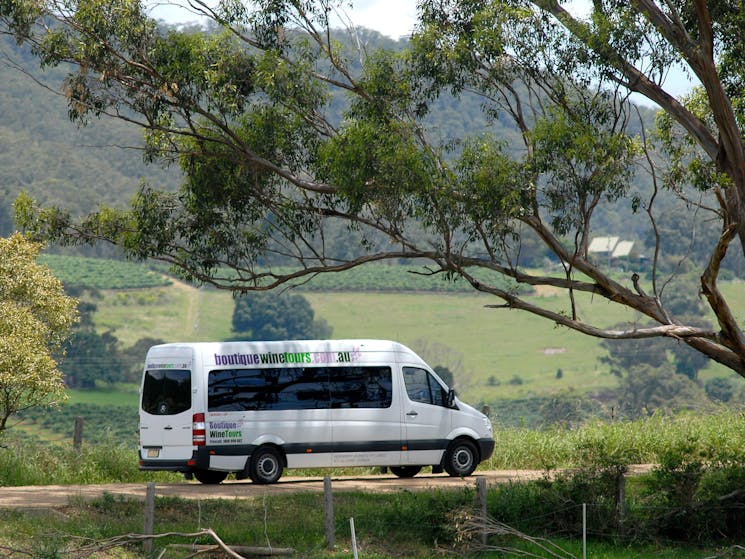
270 170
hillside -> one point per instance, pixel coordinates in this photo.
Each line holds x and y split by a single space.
494 353
44 154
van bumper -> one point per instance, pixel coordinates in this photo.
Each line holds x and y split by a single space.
199 460
486 448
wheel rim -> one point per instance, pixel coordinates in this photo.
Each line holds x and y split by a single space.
267 467
462 459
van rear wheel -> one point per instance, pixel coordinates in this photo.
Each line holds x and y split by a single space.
210 477
266 465
461 458
406 471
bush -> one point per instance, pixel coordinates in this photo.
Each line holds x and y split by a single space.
696 495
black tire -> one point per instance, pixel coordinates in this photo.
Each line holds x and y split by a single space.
266 465
461 458
210 477
405 471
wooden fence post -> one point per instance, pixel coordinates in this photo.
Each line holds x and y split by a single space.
481 496
77 436
328 506
147 544
621 502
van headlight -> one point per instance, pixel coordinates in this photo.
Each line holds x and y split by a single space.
487 424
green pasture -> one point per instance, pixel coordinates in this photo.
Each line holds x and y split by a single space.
489 350
175 313
120 395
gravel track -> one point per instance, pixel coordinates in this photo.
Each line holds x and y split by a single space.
51 496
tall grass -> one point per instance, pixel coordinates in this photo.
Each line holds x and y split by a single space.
25 461
720 436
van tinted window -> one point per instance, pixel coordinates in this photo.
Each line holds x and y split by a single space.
299 388
422 387
166 391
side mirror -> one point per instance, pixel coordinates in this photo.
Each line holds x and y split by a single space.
451 398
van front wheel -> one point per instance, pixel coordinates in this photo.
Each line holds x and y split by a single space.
266 465
461 458
210 477
405 471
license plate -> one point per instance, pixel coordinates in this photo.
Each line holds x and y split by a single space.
153 452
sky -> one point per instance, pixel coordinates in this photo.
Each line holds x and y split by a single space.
394 18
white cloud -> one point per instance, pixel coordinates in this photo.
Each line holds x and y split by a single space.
394 18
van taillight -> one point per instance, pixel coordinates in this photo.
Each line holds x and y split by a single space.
198 433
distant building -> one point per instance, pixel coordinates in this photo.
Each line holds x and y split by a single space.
612 249
623 249
603 246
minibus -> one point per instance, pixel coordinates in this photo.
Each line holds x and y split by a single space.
254 408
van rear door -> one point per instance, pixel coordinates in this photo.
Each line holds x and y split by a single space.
166 413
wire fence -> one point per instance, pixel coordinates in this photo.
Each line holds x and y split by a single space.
470 519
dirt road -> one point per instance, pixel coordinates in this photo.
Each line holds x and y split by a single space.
50 496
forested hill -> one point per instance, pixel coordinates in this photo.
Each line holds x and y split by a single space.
44 154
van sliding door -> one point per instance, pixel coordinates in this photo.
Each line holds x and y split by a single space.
365 422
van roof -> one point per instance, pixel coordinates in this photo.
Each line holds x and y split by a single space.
309 345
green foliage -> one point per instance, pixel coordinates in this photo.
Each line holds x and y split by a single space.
100 273
25 462
616 444
102 423
287 136
697 493
287 316
585 157
296 520
91 358
720 389
54 161
646 389
36 317
692 494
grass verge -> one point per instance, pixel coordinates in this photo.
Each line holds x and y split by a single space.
404 524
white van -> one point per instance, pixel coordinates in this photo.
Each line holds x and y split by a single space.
254 408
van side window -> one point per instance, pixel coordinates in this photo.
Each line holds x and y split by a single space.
360 387
299 388
422 387
166 391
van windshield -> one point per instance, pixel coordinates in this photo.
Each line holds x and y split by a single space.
166 391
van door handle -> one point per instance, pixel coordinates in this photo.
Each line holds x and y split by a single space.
168 428
412 413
